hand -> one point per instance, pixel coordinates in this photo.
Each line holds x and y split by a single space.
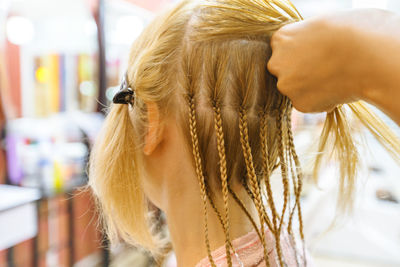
334 59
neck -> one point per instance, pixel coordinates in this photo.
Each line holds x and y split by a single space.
186 223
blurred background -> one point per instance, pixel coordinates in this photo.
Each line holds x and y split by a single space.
60 65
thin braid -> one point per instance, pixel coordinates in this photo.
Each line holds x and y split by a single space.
241 205
284 180
266 170
224 177
246 186
293 175
265 214
299 185
275 215
199 172
251 195
221 220
291 166
264 209
296 204
244 140
299 178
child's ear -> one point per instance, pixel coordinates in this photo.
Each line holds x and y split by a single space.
154 130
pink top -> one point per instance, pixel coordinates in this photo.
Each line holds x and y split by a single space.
249 252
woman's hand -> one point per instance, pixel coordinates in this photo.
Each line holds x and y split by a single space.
339 58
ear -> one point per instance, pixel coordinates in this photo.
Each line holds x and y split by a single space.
154 130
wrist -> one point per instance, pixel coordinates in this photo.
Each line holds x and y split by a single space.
369 52
383 87
352 58
381 74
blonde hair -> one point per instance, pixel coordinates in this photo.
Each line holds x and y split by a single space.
207 62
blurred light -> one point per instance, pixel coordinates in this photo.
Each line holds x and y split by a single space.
111 91
90 28
4 5
87 88
42 74
383 4
19 30
128 28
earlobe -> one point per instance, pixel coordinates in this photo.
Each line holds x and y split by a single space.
154 132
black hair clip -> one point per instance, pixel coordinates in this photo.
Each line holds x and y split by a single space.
125 95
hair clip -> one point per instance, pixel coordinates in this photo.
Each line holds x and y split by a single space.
125 95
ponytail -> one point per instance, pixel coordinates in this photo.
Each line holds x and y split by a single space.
114 179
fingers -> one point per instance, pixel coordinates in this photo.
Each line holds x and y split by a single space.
272 65
304 105
279 44
277 64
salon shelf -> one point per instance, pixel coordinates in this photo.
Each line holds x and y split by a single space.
17 214
62 227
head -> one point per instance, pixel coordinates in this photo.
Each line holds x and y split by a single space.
207 109
197 93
